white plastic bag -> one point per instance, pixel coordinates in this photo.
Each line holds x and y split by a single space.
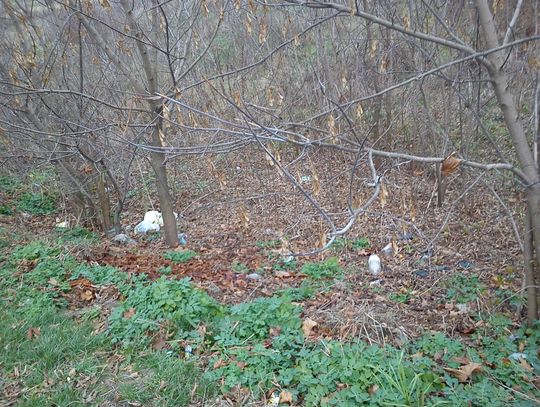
146 226
156 217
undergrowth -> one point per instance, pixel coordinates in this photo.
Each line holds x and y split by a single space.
168 342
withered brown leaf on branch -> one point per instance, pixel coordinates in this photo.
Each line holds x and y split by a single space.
450 164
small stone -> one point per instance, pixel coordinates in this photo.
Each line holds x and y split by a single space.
406 236
388 250
254 276
123 239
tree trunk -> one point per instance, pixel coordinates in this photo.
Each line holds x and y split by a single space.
530 266
494 65
157 160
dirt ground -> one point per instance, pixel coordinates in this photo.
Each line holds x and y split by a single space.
229 208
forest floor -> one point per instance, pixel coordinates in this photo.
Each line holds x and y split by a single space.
92 322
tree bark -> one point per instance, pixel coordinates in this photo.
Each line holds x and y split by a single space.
157 158
530 266
499 80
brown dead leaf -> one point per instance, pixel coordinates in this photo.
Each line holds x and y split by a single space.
87 295
437 357
274 331
461 360
219 363
322 240
105 4
160 343
450 164
383 195
316 183
129 313
282 274
81 282
285 397
244 216
464 373
525 365
307 326
373 389
364 252
33 332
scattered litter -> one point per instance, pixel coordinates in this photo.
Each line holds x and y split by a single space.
465 264
156 217
406 236
122 238
421 273
463 308
374 264
182 239
305 178
274 400
254 276
188 351
517 356
441 268
146 226
426 255
374 283
63 225
388 250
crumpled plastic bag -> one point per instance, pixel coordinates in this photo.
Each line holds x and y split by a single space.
153 222
146 226
156 217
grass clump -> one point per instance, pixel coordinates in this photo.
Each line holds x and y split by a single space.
180 256
464 288
36 204
325 270
174 305
76 234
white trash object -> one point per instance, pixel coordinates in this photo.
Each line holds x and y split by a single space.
374 264
463 308
63 225
517 356
156 217
146 226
